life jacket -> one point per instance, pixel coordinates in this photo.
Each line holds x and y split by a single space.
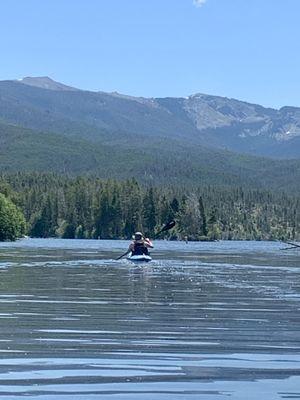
140 249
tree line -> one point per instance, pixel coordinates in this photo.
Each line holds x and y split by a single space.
91 208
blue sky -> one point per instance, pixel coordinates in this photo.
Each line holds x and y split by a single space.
247 49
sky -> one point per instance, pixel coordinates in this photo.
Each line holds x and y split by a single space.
245 49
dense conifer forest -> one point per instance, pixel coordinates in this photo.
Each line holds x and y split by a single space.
12 222
87 207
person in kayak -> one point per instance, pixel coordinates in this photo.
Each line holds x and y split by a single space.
140 245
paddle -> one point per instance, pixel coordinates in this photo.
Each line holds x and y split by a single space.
128 251
167 227
294 246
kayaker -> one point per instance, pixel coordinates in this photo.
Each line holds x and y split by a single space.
140 245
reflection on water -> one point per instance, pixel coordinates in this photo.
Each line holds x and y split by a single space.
202 321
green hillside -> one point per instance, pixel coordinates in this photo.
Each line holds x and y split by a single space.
151 161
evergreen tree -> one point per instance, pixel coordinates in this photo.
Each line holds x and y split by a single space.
204 230
12 222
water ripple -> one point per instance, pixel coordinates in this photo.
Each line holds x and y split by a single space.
203 321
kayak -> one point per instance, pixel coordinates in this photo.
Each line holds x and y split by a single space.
141 258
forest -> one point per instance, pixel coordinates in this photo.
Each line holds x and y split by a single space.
92 208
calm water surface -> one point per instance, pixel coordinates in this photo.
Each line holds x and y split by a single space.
202 321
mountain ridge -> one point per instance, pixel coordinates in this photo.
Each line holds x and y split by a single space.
214 121
37 80
198 138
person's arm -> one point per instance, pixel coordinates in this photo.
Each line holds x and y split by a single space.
148 243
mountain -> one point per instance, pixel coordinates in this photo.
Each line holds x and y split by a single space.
186 141
240 126
44 82
211 121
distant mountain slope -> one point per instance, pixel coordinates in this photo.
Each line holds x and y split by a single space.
240 126
150 161
71 111
212 121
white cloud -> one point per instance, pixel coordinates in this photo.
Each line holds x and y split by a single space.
199 3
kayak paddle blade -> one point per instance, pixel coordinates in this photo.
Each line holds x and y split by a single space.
167 227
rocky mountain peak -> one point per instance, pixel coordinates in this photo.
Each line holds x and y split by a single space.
44 82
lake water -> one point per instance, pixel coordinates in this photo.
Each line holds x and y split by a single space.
202 321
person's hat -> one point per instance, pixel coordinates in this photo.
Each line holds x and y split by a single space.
138 235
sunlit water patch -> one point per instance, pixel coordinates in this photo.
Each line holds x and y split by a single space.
202 321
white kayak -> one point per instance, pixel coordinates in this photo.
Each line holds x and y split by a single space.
141 258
